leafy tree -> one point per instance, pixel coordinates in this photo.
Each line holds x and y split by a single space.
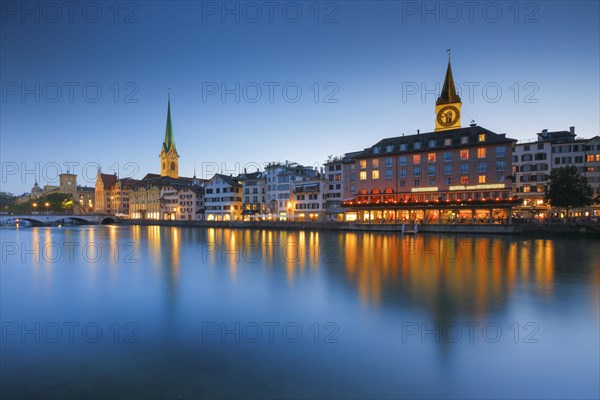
568 188
6 200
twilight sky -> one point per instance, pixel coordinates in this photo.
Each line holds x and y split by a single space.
261 81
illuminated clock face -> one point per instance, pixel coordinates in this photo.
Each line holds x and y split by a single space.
448 115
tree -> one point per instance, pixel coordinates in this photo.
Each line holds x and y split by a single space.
567 188
6 200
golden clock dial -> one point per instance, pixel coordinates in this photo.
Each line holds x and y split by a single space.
448 116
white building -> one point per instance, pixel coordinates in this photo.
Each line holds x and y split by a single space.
279 186
254 189
223 199
534 160
308 200
334 177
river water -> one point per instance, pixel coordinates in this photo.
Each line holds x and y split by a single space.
154 312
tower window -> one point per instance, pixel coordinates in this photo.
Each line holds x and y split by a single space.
172 166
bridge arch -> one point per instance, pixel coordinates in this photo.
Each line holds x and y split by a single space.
108 220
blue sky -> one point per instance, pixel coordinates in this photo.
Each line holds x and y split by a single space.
370 61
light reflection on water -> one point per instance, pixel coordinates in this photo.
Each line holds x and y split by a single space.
372 288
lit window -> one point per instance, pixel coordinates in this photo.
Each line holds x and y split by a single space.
464 154
417 159
464 180
481 178
363 164
481 152
375 162
447 141
431 157
363 175
375 174
481 137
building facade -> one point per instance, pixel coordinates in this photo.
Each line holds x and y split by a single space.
254 201
534 160
333 172
223 199
452 174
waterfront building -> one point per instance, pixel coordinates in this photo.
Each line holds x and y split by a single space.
334 176
534 160
111 194
452 174
223 198
280 177
308 200
254 189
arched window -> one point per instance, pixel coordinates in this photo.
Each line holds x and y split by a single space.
164 165
172 166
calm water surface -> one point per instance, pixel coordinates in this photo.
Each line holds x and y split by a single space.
150 312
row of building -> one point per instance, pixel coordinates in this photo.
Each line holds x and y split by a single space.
452 174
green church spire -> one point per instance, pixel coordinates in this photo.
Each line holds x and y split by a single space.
169 141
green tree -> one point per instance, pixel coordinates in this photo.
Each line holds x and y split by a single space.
567 188
6 201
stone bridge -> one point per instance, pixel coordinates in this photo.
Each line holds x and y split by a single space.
52 219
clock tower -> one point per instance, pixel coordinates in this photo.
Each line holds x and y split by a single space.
169 158
447 106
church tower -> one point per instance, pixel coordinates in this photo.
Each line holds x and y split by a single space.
447 106
169 158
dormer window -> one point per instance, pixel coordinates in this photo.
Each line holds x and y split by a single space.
389 148
402 146
481 137
448 141
432 143
376 150
464 140
417 145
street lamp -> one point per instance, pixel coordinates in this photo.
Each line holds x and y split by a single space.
34 206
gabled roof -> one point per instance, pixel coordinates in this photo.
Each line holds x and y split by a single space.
227 179
108 180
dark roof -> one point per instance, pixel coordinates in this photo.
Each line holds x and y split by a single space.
251 175
455 134
108 180
227 179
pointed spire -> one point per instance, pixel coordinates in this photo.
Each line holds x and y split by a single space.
169 141
448 94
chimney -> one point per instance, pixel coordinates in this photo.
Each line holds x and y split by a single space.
544 131
244 170
418 131
572 130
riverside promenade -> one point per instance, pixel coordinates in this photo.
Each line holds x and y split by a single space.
529 228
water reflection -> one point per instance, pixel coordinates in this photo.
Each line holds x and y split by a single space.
368 283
